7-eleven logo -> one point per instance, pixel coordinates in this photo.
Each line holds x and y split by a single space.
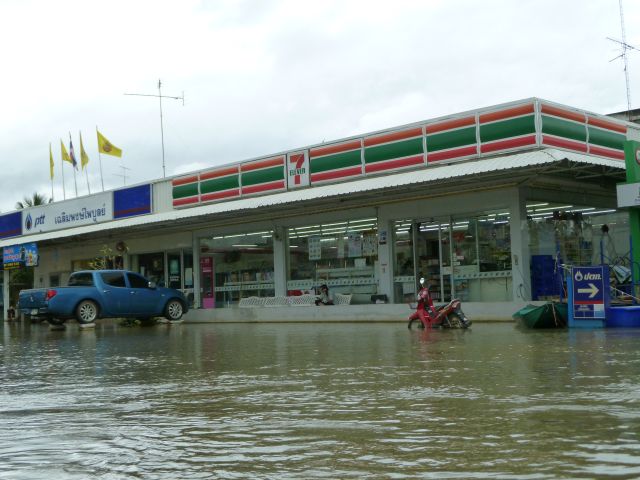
297 169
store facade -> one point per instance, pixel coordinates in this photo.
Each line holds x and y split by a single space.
471 202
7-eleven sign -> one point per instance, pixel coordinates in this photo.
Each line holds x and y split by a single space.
297 169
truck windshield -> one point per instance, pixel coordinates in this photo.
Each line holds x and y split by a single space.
81 279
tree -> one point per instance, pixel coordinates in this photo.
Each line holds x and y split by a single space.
34 201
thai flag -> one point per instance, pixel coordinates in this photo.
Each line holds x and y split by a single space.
72 155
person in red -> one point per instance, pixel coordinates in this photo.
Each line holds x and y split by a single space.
425 310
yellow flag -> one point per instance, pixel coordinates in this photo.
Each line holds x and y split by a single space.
65 155
50 161
105 146
84 158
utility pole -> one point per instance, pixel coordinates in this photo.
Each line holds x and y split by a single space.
160 97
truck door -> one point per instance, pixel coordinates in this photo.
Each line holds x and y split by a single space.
145 301
115 293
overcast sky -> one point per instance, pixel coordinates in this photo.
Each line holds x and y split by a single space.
260 77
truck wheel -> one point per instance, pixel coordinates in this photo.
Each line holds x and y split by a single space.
86 311
173 310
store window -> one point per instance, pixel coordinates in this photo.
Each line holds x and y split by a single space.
433 258
567 234
151 266
342 255
236 266
466 258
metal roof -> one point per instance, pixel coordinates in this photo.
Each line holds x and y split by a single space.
438 173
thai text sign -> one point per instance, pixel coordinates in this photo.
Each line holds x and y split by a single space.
590 292
68 214
17 256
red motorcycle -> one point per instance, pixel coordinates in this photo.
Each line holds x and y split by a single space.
446 316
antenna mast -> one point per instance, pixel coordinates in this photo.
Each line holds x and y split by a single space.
160 97
625 46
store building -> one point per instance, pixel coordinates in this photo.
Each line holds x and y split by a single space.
481 203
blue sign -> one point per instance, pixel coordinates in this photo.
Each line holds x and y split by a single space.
11 225
590 292
133 201
16 256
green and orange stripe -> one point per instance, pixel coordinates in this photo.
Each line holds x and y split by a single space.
394 151
338 161
508 129
263 176
220 184
185 190
451 139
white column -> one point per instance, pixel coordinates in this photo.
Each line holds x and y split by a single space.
520 256
385 256
280 255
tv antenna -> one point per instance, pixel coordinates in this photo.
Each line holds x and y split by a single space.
160 97
625 46
123 174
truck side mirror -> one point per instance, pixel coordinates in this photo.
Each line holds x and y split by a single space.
152 285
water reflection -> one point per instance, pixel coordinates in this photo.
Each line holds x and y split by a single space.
317 401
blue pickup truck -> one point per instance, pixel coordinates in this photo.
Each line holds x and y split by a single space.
93 294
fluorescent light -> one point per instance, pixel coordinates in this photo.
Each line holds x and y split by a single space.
561 207
530 205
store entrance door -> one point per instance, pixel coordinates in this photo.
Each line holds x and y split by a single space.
175 270
433 257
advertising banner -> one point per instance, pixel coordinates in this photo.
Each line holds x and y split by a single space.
68 214
18 256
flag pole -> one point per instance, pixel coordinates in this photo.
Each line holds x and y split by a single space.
51 166
64 189
86 173
100 161
84 167
74 167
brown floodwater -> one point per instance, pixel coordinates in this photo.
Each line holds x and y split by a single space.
300 401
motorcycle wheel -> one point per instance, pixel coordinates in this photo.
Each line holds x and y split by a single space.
454 321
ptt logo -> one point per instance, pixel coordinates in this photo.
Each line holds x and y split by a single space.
30 223
579 277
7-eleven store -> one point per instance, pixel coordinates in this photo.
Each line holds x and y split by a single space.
480 203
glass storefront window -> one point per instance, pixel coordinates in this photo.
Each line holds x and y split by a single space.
467 258
573 235
404 282
151 266
342 255
236 266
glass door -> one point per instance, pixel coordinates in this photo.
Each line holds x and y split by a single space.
433 252
175 270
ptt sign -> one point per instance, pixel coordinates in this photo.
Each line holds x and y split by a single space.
590 292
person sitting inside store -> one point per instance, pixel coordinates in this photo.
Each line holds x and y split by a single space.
324 298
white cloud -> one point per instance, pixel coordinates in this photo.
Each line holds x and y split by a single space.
263 77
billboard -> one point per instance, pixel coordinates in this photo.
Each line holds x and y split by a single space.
18 256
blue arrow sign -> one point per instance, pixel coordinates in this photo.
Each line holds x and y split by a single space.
590 292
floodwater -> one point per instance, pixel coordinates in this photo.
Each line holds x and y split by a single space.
299 401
